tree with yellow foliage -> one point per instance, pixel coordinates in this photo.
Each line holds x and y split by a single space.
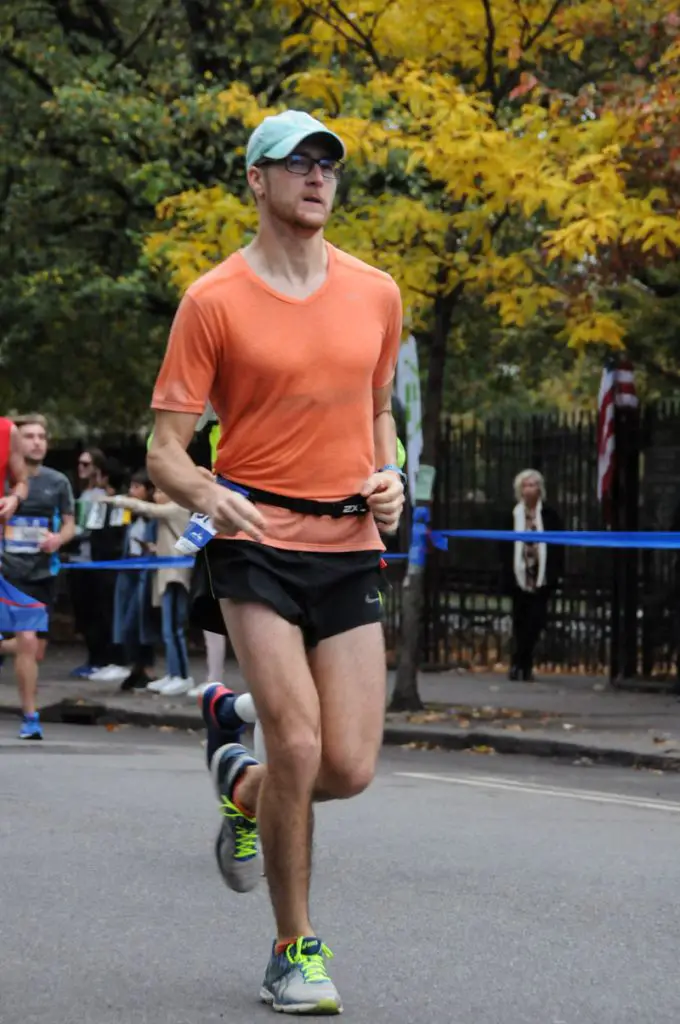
500 151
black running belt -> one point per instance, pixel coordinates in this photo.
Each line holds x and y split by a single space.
355 505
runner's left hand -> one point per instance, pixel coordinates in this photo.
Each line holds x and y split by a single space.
50 543
384 493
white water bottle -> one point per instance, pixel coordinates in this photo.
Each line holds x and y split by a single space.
199 531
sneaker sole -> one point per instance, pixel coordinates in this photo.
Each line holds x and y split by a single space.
33 736
324 1007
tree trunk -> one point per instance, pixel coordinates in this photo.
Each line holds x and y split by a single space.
405 696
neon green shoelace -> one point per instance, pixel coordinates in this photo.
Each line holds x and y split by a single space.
311 965
245 831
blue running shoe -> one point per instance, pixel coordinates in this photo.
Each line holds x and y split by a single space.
82 672
31 728
236 847
222 723
296 980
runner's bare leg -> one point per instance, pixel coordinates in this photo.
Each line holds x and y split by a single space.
272 658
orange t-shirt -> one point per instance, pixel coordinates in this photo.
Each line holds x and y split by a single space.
291 381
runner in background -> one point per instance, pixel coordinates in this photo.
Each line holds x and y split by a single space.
44 522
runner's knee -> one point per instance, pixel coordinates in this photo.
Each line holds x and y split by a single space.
293 750
343 777
28 645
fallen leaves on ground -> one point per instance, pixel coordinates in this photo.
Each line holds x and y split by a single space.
420 745
426 717
466 717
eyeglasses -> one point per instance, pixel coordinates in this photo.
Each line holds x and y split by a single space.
301 163
84 462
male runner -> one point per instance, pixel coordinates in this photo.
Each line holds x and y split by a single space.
295 344
44 523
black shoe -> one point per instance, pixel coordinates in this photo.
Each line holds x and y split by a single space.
136 681
513 674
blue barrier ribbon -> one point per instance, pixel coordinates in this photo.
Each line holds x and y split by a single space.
170 562
180 562
569 538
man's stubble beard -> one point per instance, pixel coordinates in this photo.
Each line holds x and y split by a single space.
292 221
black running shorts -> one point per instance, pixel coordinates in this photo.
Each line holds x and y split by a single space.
323 593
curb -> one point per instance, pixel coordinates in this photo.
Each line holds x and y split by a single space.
78 712
529 745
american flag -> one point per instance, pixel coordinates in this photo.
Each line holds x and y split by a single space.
617 389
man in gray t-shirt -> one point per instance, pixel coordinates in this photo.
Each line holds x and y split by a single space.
43 523
30 552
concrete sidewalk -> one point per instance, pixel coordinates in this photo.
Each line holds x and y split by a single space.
578 718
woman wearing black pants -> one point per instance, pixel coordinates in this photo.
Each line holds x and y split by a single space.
531 571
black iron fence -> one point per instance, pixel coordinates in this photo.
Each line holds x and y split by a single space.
468 618
615 611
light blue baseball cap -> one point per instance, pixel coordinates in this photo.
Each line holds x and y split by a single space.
278 135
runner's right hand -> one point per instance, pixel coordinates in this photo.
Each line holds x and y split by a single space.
231 513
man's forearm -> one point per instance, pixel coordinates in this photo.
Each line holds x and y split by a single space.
67 533
171 468
149 509
20 489
18 471
385 440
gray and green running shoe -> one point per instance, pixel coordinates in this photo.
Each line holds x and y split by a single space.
296 980
236 847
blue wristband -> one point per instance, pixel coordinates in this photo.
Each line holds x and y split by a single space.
391 468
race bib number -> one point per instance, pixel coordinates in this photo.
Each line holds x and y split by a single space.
24 534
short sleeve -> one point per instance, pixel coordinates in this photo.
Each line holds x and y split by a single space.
189 366
389 353
67 505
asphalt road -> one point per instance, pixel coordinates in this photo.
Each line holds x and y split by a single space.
460 889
